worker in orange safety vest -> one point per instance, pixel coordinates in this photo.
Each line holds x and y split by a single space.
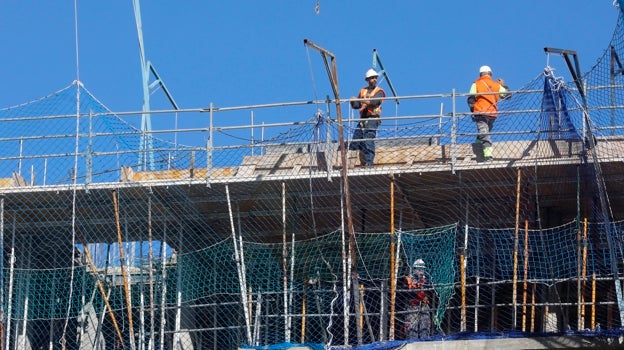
368 103
418 317
485 93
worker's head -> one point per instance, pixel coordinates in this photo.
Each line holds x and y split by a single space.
485 70
371 74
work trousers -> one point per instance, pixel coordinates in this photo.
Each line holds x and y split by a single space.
418 321
366 131
485 124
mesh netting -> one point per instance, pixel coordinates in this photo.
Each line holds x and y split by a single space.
214 231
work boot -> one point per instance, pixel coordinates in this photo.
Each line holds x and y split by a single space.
487 154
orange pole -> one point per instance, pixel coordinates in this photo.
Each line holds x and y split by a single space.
584 275
593 305
532 328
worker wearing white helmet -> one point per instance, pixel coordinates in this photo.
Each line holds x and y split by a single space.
485 93
368 103
418 315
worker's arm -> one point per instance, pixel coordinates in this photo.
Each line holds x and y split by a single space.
504 90
472 98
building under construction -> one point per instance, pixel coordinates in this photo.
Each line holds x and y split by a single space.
223 236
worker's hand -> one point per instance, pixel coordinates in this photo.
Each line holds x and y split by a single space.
501 81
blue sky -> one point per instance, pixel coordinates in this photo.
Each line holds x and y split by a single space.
234 53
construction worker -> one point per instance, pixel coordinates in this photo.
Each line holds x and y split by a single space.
418 316
369 104
483 102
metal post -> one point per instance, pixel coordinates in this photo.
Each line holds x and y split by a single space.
514 301
329 152
124 272
151 272
209 146
253 141
163 292
89 159
285 267
10 291
453 134
240 267
392 262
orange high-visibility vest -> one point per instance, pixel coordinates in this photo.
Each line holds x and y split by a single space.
369 111
487 104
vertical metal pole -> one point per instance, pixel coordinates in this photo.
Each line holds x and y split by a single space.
438 141
392 262
526 274
45 170
163 292
89 159
151 271
462 272
579 243
453 134
514 296
22 338
383 311
345 271
284 267
262 149
612 89
209 146
292 278
124 272
329 152
238 256
253 141
10 296
21 154
142 311
178 316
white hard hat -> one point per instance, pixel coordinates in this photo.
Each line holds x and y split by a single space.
485 69
419 264
371 73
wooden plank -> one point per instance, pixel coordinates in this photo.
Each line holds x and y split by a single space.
162 175
246 170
